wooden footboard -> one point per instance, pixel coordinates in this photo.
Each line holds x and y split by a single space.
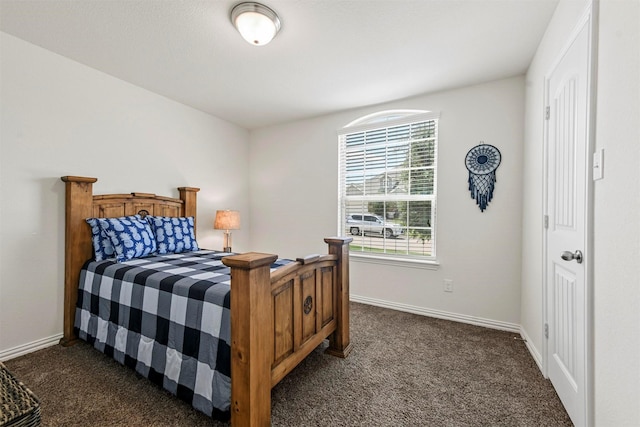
278 319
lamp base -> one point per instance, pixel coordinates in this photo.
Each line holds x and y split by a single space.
227 241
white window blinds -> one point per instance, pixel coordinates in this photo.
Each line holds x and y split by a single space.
388 186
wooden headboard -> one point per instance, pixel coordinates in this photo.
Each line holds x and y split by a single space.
80 204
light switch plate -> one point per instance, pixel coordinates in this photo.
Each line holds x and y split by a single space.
598 164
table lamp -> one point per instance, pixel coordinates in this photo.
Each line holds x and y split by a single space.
227 220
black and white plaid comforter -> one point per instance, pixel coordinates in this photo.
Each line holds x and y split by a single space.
168 318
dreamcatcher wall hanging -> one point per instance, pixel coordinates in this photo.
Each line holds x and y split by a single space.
482 161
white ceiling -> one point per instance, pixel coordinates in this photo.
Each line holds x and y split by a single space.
330 55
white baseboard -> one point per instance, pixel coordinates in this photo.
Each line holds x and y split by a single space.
29 347
537 357
462 318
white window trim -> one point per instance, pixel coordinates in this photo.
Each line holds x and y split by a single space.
371 121
424 264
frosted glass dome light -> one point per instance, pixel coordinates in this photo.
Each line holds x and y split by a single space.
257 23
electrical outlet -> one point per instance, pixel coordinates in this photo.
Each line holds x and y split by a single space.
448 285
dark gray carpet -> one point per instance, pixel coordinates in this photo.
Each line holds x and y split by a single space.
405 370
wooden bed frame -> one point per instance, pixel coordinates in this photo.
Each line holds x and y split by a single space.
277 318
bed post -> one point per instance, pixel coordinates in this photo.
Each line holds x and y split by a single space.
339 341
78 207
251 338
188 196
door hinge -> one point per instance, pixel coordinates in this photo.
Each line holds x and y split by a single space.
546 221
547 112
546 330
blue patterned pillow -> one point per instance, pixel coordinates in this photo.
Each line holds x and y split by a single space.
173 234
102 246
131 237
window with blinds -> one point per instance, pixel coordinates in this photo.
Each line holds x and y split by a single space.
387 176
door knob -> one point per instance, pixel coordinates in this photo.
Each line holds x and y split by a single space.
568 256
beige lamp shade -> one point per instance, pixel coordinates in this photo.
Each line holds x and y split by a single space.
227 220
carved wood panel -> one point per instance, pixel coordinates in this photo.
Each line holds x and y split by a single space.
127 207
326 286
308 287
135 207
283 322
109 210
168 210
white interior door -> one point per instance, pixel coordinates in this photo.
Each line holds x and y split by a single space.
566 251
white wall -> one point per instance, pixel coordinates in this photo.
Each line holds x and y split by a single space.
555 39
59 118
617 217
294 189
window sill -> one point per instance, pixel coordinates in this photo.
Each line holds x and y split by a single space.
398 262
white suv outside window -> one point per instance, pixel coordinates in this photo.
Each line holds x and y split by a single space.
369 223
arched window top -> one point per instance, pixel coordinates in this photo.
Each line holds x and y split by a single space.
388 118
385 116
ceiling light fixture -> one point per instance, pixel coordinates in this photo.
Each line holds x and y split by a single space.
257 23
